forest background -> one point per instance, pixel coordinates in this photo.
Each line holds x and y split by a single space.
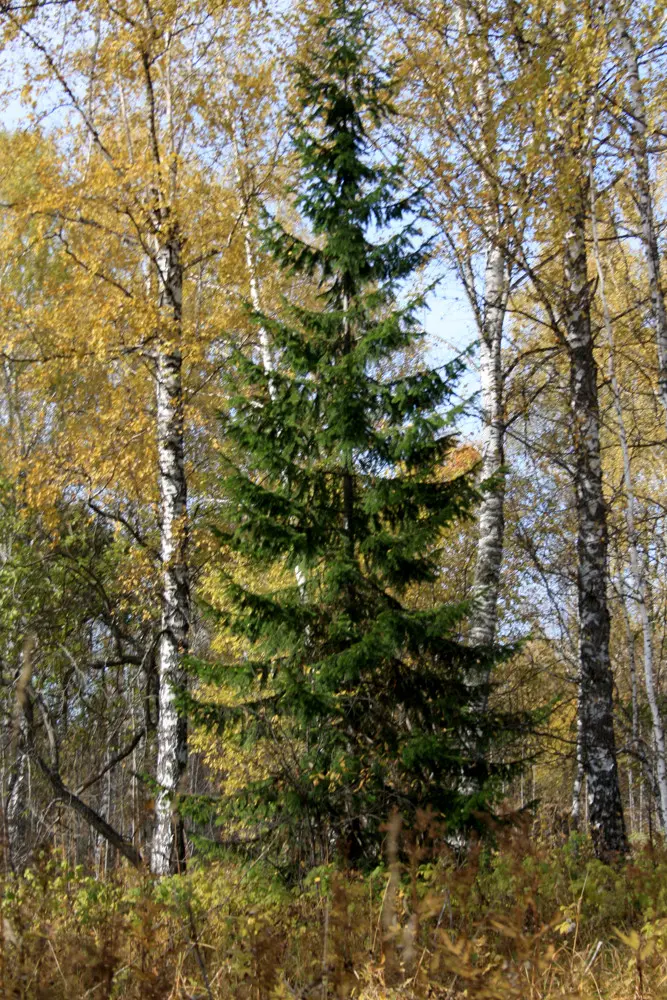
149 152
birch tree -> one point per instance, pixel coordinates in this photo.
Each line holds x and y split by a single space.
560 124
489 315
147 234
637 567
464 66
596 702
636 120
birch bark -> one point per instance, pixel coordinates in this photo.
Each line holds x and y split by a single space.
264 342
251 263
101 844
265 347
630 643
637 567
168 847
643 194
17 806
605 810
578 782
490 319
491 513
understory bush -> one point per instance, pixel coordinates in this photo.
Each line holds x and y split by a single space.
521 920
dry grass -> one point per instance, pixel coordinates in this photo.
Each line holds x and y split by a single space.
526 922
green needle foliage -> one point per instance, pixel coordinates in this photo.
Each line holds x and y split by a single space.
342 497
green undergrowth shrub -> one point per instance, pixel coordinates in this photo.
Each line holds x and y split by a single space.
521 920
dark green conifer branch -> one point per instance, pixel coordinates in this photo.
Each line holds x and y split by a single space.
341 475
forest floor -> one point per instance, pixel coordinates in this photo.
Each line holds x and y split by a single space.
526 920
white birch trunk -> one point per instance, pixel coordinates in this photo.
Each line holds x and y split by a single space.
168 847
578 782
264 342
101 844
19 790
265 349
605 811
644 196
636 827
490 320
491 512
17 806
637 567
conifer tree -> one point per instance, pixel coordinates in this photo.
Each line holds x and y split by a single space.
336 469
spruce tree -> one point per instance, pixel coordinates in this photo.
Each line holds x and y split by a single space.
335 491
